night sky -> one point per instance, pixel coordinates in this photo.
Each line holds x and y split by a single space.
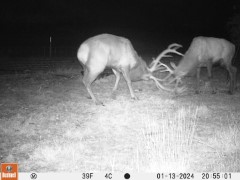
76 20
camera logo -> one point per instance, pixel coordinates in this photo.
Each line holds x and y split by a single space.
9 168
9 171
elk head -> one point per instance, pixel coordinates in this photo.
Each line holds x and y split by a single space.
204 52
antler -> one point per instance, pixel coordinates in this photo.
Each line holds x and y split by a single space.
177 89
157 64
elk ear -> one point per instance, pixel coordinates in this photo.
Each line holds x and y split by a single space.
173 65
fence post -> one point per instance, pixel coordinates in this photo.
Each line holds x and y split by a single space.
50 47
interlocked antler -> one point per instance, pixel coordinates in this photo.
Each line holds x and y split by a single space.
177 89
157 64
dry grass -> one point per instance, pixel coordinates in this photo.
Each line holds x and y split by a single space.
48 125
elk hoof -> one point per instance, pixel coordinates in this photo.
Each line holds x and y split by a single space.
113 96
138 90
214 92
197 92
99 103
230 92
135 98
89 97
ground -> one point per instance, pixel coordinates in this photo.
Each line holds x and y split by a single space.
48 125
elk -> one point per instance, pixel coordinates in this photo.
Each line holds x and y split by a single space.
106 50
204 52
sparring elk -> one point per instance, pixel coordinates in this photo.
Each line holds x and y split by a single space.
106 50
204 52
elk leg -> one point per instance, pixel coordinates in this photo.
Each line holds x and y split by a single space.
209 69
176 86
88 78
118 76
232 73
228 79
84 73
126 76
234 70
198 79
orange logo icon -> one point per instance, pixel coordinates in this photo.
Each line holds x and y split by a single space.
9 171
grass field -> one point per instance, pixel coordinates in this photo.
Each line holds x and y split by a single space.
48 125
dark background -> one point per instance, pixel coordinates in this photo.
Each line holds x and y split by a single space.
148 23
